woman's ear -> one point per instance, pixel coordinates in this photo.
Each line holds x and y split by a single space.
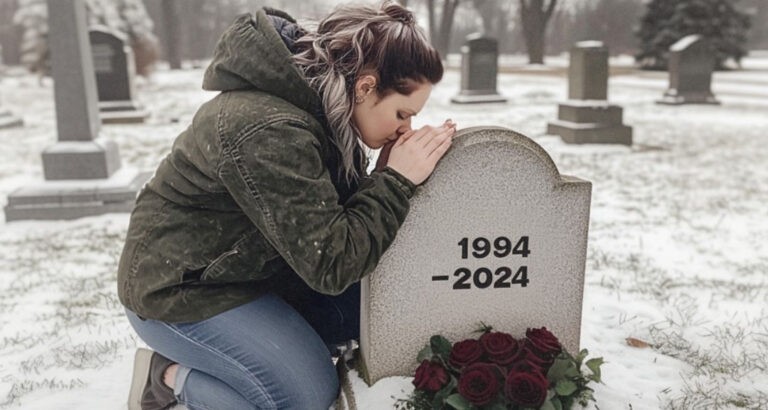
365 85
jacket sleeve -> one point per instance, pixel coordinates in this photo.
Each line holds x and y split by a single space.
277 176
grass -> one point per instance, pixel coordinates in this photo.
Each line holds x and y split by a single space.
672 229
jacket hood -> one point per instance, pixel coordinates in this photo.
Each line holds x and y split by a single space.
252 55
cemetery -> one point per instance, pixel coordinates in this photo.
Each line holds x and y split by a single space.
622 209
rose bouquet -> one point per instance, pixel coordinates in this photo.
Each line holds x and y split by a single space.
499 372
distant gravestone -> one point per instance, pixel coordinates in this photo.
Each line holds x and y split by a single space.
691 62
587 117
82 171
115 71
479 69
495 235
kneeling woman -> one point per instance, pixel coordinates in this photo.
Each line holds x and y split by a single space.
244 253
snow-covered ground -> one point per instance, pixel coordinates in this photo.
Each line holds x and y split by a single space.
677 256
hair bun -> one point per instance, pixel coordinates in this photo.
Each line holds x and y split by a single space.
399 13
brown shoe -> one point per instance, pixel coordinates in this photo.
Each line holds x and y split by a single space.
148 391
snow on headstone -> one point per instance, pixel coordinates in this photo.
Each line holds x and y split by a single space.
587 117
496 235
691 62
114 68
82 171
479 69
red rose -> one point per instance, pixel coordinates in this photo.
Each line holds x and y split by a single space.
478 383
524 365
502 348
430 376
527 389
531 356
543 342
465 353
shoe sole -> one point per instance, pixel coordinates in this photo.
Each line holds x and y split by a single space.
140 376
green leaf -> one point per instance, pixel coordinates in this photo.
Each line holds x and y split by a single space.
594 366
556 402
424 354
497 406
558 369
458 402
440 346
547 405
581 356
565 387
571 372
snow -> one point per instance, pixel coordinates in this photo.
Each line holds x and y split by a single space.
677 252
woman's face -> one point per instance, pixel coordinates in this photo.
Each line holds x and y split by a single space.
381 120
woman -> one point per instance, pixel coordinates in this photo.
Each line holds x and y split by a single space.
244 252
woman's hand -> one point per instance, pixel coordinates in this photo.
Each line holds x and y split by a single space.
415 154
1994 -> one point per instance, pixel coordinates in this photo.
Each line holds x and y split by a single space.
483 278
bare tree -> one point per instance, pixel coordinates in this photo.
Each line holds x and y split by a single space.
440 34
534 16
495 16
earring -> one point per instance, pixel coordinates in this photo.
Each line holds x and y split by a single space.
359 99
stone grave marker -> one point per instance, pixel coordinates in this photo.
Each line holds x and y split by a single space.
82 171
479 69
115 71
496 235
691 62
587 117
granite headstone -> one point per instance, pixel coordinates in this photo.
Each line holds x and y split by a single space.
82 171
115 71
691 62
496 235
587 117
479 69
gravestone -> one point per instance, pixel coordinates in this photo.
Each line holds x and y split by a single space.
496 235
587 117
691 62
115 71
82 171
171 25
479 69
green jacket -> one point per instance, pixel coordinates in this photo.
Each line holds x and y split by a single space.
249 198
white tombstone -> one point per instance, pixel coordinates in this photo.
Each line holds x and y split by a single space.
496 235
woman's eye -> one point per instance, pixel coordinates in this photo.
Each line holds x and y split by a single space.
400 117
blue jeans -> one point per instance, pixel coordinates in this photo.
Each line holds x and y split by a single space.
265 354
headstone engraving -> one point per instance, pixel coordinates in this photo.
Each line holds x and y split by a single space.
115 71
587 117
479 69
497 235
82 171
691 62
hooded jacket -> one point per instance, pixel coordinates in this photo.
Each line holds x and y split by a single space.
250 198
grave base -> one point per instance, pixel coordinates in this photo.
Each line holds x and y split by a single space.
671 98
590 133
8 120
478 99
122 112
71 199
77 160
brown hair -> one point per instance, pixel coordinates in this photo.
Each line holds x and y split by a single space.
356 40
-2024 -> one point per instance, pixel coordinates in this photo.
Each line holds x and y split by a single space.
483 277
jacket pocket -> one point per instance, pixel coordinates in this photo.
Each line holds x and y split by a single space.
243 262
